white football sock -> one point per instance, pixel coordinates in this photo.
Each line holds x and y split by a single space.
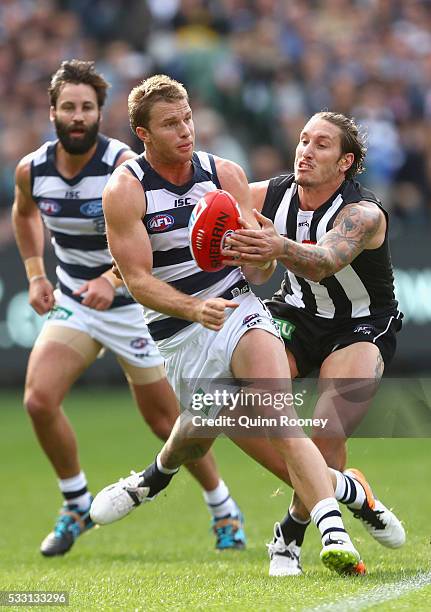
220 502
75 491
327 517
348 490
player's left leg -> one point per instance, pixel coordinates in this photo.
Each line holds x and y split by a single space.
158 405
349 379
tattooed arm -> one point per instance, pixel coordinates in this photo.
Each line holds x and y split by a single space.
357 227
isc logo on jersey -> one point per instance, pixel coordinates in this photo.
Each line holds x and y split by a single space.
49 207
160 223
92 209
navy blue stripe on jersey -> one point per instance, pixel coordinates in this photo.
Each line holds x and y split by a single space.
164 328
85 272
119 300
160 330
173 256
70 208
215 178
199 281
154 181
168 220
83 243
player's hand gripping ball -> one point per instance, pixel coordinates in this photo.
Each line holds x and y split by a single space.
213 219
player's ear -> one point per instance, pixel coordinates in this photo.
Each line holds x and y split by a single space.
143 134
52 114
346 161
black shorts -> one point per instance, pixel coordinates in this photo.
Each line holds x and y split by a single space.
311 339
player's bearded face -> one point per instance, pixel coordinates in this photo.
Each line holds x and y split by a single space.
77 138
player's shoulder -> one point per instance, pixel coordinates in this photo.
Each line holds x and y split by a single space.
228 169
37 157
354 192
34 158
363 201
115 151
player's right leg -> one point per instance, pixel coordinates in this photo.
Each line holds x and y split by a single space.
259 356
60 355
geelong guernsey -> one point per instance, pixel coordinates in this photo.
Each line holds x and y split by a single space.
363 288
169 208
72 211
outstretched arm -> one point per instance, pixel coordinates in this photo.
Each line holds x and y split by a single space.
129 243
233 179
357 227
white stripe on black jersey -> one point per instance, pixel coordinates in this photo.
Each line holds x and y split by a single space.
166 220
72 210
363 288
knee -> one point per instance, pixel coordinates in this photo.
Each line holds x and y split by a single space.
39 404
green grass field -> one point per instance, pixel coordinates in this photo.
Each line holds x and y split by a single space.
162 556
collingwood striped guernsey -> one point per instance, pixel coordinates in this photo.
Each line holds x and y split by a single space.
72 211
363 288
169 208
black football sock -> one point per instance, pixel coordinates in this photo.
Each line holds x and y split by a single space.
157 477
292 529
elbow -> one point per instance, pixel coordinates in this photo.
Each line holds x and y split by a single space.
318 275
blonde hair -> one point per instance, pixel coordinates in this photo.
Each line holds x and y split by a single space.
146 94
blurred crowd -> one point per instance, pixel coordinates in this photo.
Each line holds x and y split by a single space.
255 69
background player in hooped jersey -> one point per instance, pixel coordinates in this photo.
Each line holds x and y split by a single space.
336 307
61 184
200 329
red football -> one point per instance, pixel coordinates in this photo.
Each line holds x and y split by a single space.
214 218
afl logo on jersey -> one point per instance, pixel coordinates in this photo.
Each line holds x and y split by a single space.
49 207
92 209
160 223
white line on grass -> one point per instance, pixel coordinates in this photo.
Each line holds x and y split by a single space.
376 595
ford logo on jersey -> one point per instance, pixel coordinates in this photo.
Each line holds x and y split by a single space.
160 223
49 207
92 209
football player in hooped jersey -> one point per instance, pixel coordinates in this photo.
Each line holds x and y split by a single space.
193 316
61 184
336 307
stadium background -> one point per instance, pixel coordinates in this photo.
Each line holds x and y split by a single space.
255 70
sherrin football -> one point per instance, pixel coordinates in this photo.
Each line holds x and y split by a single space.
214 217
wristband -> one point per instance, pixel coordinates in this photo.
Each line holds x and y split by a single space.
109 281
34 267
36 277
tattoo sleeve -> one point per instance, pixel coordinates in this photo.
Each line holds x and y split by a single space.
353 228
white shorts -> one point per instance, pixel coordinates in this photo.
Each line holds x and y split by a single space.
121 330
196 355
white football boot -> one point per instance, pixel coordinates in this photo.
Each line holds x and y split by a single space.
283 558
380 522
117 500
342 557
